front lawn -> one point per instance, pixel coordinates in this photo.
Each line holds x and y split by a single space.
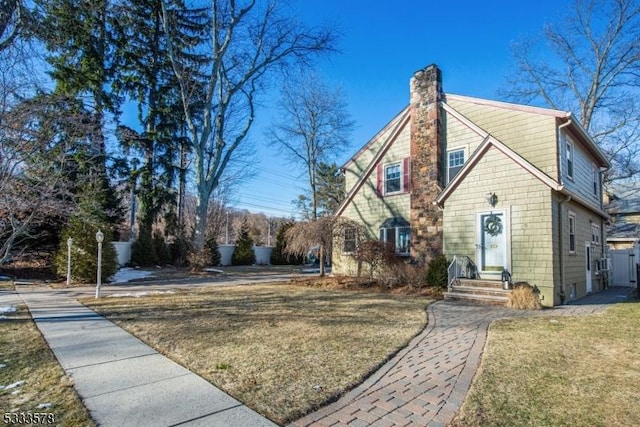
560 371
281 349
31 380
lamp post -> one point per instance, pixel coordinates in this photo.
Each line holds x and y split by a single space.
69 243
99 239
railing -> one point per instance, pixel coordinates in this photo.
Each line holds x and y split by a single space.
461 266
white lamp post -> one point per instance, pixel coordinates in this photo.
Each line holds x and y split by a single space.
69 243
99 239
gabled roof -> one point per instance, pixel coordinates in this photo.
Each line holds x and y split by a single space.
400 121
564 116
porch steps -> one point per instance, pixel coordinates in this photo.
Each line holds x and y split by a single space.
480 291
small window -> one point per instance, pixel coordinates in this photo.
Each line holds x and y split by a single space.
595 234
350 241
569 158
572 232
392 178
456 161
596 178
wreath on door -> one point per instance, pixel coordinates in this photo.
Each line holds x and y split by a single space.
493 225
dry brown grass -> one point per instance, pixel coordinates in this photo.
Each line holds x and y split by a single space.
28 358
524 297
281 349
561 371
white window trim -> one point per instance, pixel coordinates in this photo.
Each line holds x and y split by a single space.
453 150
344 241
572 216
595 234
396 231
569 144
384 178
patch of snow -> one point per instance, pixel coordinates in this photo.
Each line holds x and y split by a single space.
212 270
7 309
3 317
10 386
16 392
127 274
139 294
43 406
2 365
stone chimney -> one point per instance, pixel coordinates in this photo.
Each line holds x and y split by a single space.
426 164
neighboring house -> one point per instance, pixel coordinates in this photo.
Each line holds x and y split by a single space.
508 186
624 230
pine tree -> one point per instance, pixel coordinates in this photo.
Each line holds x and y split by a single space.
82 228
243 254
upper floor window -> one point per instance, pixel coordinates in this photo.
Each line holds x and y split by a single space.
572 232
570 150
455 163
392 178
596 178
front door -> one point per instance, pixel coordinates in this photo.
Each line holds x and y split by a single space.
492 244
587 259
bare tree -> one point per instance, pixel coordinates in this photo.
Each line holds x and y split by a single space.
313 128
303 236
37 140
590 64
248 41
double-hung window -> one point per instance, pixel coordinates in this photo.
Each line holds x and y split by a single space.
350 240
455 163
392 178
569 154
572 232
595 234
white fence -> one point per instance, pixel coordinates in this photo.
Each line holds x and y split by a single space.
623 266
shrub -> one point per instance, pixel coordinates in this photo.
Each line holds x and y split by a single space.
524 297
199 260
407 273
84 252
243 254
375 254
143 252
437 272
212 246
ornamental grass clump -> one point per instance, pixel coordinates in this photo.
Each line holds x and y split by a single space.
524 297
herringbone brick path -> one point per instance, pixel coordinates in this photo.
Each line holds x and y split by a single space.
425 384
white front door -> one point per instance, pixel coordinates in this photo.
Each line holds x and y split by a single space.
492 244
587 259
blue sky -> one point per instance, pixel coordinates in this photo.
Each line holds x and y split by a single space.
382 44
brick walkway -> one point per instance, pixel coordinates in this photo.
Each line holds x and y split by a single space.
425 384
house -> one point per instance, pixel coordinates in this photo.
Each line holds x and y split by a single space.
503 187
624 230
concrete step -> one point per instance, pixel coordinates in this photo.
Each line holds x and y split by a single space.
476 298
479 283
497 292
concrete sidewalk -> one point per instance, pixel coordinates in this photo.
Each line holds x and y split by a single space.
121 380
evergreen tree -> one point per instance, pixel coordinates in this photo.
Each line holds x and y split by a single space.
82 228
79 47
329 188
279 255
243 254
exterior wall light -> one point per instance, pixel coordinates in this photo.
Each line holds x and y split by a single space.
492 199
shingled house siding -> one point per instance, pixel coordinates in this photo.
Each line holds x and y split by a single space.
528 134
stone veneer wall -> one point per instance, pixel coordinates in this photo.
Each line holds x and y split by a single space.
426 164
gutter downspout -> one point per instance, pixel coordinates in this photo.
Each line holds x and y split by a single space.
560 216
